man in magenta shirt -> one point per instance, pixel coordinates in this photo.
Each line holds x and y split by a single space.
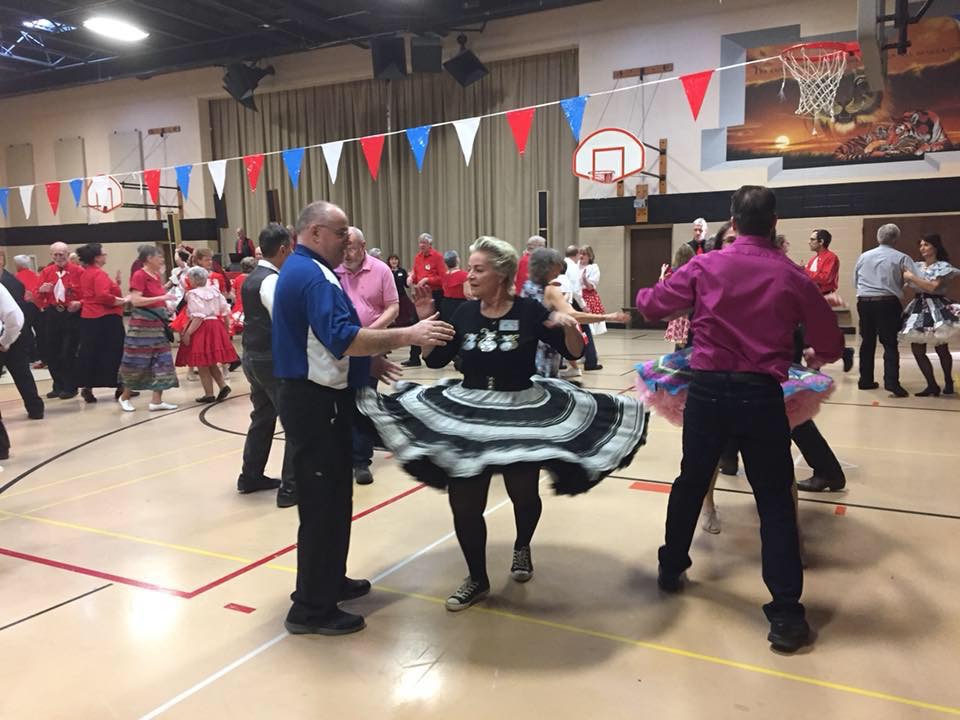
369 284
747 300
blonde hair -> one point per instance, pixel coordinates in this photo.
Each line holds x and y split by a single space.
683 255
502 255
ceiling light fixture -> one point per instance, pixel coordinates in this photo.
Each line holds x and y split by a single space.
115 29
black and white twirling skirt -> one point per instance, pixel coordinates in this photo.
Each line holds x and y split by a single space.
445 432
931 319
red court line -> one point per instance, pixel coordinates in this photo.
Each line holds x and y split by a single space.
650 487
239 608
94 573
840 510
401 496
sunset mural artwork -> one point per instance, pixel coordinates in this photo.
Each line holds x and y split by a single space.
918 111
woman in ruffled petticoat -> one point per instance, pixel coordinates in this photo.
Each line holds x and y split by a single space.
931 318
499 419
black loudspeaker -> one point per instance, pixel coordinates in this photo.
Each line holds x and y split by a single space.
273 206
220 211
543 214
426 55
389 58
466 68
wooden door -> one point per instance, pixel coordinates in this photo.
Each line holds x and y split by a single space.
650 248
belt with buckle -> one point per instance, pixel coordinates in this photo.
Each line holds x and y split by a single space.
59 308
877 298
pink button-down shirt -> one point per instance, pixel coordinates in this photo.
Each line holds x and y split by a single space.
371 289
747 299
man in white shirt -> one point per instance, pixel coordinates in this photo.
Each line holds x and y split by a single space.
11 323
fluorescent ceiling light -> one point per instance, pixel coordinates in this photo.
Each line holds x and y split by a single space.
115 29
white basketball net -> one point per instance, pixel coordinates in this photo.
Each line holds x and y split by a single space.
818 73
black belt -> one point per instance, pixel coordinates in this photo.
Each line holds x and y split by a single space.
743 378
877 298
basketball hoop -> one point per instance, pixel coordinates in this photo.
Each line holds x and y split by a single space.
817 68
602 176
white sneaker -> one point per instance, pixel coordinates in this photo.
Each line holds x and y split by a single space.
154 407
710 521
570 372
126 405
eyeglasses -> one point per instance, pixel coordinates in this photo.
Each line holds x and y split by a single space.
341 232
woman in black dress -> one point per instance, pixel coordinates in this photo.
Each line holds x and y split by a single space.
499 419
408 313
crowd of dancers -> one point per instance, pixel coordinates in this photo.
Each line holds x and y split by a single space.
317 315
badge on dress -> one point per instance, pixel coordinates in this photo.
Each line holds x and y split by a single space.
509 325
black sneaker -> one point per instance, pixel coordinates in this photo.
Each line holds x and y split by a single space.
53 395
245 487
470 592
287 497
336 623
362 475
867 385
669 583
522 568
591 369
68 394
353 589
789 635
411 363
88 395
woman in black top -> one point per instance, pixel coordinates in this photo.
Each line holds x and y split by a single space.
499 419
408 314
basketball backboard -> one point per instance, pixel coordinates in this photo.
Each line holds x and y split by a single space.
882 26
608 155
104 193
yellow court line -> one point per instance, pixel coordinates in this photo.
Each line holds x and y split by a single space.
759 669
165 471
99 471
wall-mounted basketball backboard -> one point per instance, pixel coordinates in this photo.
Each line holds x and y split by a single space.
880 31
608 155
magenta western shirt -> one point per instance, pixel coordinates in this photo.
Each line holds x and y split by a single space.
747 299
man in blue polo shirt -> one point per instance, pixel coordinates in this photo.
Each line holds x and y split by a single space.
320 356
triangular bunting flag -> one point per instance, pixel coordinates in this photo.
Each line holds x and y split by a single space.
53 195
76 187
292 160
466 133
152 180
372 150
419 138
4 200
218 171
26 197
695 85
573 111
331 154
183 179
520 122
253 164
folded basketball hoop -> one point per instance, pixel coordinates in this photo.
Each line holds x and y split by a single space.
817 68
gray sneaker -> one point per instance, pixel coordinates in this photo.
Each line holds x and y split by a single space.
362 475
522 568
469 592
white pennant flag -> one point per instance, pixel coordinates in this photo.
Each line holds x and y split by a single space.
218 171
26 197
331 153
466 133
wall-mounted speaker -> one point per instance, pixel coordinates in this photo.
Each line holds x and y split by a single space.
466 68
543 214
426 55
273 206
389 58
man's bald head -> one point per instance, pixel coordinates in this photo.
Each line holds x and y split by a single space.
60 253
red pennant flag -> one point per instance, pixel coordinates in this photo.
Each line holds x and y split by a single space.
53 195
372 150
520 122
695 85
152 179
253 164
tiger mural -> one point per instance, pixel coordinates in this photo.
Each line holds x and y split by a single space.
855 106
915 133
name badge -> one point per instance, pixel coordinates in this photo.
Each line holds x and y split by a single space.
509 325
427 266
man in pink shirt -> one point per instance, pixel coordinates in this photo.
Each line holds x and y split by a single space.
747 300
369 284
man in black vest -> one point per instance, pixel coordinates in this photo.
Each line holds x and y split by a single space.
16 358
257 291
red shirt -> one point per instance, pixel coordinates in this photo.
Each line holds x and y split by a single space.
238 297
71 284
747 300
453 284
98 293
430 267
824 268
522 272
148 286
30 282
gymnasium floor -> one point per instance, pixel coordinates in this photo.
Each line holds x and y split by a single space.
136 582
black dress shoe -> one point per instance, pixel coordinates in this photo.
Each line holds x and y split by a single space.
948 389
35 415
4 453
287 497
897 391
815 483
336 623
353 589
728 468
868 385
788 635
595 367
929 391
669 583
224 392
847 359
362 475
53 395
234 365
245 487
69 395
411 363
206 399
88 396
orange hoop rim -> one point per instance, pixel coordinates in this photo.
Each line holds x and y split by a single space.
850 48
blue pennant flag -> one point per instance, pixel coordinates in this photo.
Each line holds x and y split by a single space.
76 187
573 110
419 138
183 179
4 200
292 160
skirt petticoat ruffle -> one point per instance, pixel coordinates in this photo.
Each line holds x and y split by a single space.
931 319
